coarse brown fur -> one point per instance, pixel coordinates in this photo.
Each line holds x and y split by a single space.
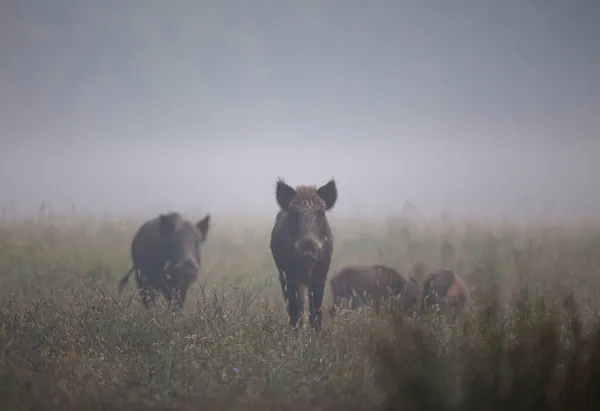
302 246
445 289
375 282
166 240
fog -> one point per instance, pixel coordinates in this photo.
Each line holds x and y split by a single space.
470 107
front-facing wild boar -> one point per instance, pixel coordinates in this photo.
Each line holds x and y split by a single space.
442 291
302 246
167 240
360 283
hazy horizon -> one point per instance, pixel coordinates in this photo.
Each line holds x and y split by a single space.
475 108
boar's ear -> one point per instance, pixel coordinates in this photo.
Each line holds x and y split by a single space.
284 194
328 193
167 224
203 226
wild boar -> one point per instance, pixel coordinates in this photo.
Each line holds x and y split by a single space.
443 290
302 246
165 252
374 282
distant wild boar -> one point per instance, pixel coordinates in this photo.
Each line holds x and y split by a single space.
442 290
302 246
172 241
376 283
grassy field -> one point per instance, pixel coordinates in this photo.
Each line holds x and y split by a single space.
527 340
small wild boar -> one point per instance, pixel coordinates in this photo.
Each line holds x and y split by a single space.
443 290
302 246
172 241
376 282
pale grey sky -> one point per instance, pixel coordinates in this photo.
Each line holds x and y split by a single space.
481 107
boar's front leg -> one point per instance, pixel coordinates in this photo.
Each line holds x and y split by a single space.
146 289
295 300
315 300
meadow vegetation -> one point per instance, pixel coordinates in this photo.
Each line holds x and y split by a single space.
529 339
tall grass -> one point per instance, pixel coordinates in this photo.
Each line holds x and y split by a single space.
529 338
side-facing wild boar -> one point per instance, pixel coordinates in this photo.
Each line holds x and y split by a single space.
302 246
374 282
167 240
442 290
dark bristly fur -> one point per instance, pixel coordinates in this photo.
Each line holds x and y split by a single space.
442 288
376 282
302 246
166 239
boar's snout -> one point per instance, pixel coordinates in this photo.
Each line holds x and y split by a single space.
307 249
187 267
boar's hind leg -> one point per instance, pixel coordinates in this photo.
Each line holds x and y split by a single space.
315 300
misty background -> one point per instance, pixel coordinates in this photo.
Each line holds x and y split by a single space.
469 107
